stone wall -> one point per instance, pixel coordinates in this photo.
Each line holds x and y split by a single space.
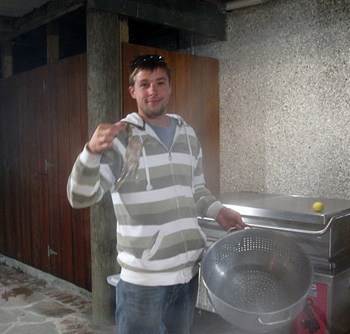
285 98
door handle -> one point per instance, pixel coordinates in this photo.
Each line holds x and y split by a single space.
50 251
48 164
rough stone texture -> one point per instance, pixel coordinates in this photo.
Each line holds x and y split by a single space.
30 305
44 328
285 98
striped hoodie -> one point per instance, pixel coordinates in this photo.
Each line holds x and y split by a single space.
159 241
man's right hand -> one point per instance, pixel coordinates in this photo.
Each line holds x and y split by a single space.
102 139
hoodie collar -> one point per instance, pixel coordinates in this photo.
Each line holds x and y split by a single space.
136 120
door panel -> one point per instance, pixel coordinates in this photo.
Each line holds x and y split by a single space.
35 120
69 228
44 111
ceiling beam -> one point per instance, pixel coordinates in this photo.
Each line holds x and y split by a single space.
38 17
197 16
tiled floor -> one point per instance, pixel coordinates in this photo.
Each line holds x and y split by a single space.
31 305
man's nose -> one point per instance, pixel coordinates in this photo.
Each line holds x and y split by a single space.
153 88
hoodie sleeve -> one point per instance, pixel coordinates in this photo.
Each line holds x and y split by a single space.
206 202
92 176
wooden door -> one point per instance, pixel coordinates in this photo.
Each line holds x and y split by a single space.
43 129
69 247
34 145
195 96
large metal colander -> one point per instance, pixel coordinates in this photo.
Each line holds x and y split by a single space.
257 280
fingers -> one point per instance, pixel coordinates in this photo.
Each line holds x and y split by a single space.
230 219
240 224
120 127
102 138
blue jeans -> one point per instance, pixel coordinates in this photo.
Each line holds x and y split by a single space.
156 310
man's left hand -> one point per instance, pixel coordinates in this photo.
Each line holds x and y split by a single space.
228 219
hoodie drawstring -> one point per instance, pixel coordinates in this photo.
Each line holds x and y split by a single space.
148 177
190 149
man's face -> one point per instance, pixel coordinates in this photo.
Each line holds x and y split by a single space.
152 92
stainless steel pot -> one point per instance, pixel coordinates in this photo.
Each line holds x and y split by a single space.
257 280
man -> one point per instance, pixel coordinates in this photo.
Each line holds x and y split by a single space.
151 162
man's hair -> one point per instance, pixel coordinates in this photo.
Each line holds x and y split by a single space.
148 62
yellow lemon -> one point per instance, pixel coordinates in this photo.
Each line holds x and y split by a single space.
318 206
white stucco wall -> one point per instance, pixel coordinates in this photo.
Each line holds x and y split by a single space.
285 98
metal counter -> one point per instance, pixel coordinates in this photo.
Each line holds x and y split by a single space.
325 237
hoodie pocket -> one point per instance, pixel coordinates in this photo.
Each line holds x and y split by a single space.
154 246
160 249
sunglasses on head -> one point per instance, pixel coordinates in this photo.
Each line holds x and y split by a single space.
148 61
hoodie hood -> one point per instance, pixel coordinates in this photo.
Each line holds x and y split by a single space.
136 120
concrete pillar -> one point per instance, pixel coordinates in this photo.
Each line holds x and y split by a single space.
104 91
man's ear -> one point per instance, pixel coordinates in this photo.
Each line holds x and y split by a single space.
131 91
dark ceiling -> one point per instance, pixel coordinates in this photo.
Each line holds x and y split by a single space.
18 8
29 49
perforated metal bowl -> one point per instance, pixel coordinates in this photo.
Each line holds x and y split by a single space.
257 280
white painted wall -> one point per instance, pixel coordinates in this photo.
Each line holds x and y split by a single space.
285 98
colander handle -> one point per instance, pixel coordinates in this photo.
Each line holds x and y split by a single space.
278 322
234 228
